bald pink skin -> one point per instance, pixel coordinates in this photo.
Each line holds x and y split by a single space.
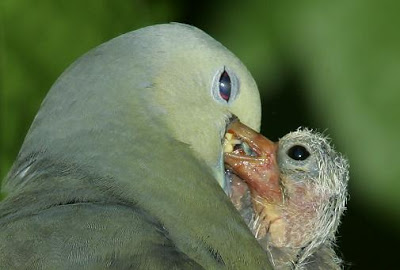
286 217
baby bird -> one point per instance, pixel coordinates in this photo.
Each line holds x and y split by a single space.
297 190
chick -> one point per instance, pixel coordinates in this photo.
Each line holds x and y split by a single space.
298 192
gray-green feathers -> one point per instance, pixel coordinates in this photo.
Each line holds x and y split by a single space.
120 168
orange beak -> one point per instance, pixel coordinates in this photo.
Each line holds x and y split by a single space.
261 171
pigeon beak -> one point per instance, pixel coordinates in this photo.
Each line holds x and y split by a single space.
258 167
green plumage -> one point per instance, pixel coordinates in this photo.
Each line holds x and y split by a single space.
121 166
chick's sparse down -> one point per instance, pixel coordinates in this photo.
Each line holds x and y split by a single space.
291 193
122 166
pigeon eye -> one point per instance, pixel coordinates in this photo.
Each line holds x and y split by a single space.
225 86
298 152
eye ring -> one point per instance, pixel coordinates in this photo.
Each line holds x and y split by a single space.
225 86
298 152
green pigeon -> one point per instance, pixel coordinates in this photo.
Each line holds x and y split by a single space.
122 167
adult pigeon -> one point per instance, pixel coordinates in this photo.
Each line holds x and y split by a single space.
122 167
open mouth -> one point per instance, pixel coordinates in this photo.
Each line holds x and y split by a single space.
253 176
236 188
252 158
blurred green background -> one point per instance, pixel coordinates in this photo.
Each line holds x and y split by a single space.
329 65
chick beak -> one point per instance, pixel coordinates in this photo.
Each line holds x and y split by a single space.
259 171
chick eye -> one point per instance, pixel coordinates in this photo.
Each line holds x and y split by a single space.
298 152
225 86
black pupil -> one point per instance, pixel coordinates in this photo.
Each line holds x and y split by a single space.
298 152
225 86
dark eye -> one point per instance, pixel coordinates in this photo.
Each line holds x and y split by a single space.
298 152
225 86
